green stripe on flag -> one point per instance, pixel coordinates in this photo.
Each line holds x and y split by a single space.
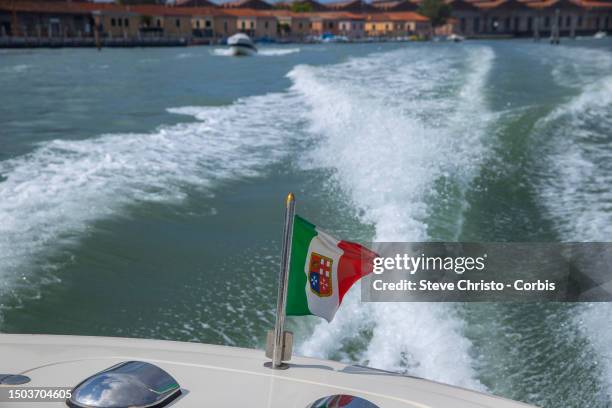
303 233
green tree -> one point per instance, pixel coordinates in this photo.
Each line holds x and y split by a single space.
438 11
301 7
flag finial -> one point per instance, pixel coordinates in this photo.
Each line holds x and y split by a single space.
290 199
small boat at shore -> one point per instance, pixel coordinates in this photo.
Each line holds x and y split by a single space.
455 38
599 35
241 45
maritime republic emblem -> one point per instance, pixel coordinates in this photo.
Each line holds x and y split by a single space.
320 275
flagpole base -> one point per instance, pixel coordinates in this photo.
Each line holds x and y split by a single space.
282 366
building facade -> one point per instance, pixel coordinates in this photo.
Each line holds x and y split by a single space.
195 20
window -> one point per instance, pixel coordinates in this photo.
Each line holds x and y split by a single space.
568 21
126 22
266 24
529 23
462 24
178 22
225 26
579 23
113 22
508 24
608 22
477 24
252 25
517 23
119 22
547 21
300 26
158 22
243 25
197 23
207 24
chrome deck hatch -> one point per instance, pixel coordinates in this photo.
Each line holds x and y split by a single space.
134 384
342 401
13 379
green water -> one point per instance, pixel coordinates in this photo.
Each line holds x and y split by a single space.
141 195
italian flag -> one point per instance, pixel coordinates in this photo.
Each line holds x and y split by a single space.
322 269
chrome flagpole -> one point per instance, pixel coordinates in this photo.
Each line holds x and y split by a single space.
282 341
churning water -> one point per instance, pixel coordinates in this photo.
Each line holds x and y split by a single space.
152 180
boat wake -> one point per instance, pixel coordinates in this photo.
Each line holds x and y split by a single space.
265 52
575 187
277 52
391 127
52 197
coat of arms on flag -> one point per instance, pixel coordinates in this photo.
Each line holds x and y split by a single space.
320 274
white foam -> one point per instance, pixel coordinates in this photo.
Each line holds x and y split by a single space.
576 189
51 197
277 52
15 69
265 52
390 125
222 52
594 321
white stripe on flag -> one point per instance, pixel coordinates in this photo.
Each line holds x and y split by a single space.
325 307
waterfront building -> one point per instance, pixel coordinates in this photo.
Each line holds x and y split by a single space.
352 25
256 23
35 19
400 24
466 19
325 23
167 22
224 25
117 22
29 22
291 26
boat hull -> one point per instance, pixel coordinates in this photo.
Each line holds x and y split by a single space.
225 376
242 50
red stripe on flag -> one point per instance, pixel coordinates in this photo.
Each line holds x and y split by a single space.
357 262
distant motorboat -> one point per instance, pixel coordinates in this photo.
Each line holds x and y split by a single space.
455 38
599 35
241 44
331 38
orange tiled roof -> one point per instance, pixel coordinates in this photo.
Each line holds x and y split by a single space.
88 7
283 13
44 7
397 16
246 12
597 4
334 15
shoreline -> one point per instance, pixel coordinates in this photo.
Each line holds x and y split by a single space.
32 43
